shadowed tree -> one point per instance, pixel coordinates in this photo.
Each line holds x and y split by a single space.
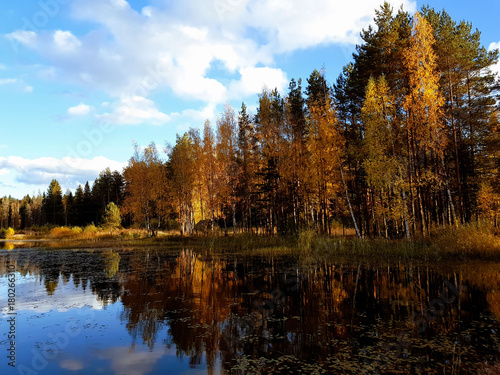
53 204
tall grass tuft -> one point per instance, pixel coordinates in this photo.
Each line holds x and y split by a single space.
468 241
242 242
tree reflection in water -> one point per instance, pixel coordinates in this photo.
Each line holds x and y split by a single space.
274 315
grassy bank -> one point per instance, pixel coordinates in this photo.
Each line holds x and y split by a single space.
464 242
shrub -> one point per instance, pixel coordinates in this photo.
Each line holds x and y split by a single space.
7 233
75 231
467 240
90 229
60 232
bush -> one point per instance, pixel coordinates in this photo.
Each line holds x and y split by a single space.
7 233
90 229
60 232
75 231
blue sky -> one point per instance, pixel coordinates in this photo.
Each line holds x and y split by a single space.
80 80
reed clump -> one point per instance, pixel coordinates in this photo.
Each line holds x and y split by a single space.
243 242
468 241
310 244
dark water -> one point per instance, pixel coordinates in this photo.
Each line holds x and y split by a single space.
177 312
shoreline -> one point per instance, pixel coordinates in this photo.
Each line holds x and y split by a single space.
305 246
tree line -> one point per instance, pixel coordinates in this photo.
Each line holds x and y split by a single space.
86 206
406 140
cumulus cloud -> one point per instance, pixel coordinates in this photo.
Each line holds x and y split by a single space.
132 52
253 80
66 41
135 110
79 110
69 171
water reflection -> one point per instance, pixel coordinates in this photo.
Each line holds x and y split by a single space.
274 315
7 245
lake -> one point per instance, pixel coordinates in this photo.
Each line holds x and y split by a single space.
155 311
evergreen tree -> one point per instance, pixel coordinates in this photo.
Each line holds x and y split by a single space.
52 206
111 217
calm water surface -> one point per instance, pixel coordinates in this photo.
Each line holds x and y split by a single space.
178 312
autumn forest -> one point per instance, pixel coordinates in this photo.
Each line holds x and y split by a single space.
406 140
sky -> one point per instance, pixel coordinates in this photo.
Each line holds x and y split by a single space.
81 81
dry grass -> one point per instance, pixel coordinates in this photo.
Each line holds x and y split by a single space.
475 240
465 242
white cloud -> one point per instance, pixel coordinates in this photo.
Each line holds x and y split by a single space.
496 67
69 171
135 110
66 41
130 53
4 171
253 80
28 38
295 24
18 84
495 45
79 110
190 118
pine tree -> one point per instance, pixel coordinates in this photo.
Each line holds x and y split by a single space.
53 205
246 160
